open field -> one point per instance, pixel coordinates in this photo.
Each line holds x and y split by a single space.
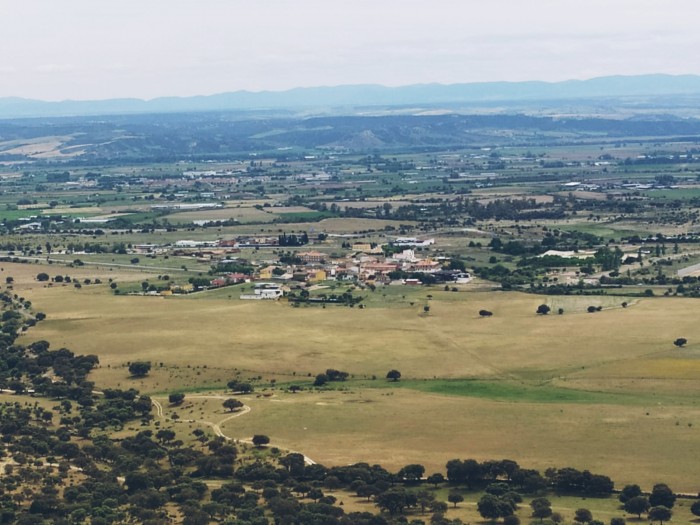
597 391
452 341
399 427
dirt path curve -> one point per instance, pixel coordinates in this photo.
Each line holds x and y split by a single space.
216 426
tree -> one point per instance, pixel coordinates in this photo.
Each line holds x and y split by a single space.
260 439
140 368
393 500
232 404
165 435
454 498
583 516
332 483
411 473
543 309
176 398
637 505
321 379
485 313
541 508
367 491
492 507
42 277
617 521
436 479
437 507
315 494
660 513
629 492
240 386
695 508
394 375
662 495
680 342
426 309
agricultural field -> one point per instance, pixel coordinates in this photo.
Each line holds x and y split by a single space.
485 301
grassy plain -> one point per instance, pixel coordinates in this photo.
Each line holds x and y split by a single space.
605 391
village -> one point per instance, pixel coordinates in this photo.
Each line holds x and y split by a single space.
275 271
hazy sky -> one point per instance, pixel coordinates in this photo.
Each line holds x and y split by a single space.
94 49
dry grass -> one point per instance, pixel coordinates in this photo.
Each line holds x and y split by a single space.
647 437
398 427
452 341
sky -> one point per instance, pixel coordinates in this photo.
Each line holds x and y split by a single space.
99 49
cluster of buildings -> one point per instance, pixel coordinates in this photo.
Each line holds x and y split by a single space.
313 267
366 263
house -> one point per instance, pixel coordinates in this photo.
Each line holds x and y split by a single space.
406 255
412 241
426 266
228 243
182 288
312 257
265 291
236 278
267 272
316 275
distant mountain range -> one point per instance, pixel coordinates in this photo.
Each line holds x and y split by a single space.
353 97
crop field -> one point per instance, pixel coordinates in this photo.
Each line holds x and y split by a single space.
242 214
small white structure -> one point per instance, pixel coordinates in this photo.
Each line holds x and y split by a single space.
413 241
264 291
406 255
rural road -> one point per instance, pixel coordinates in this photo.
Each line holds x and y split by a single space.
216 426
93 263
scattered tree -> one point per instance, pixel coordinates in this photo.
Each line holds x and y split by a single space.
662 495
259 440
176 398
680 342
629 492
637 505
436 479
492 507
541 508
232 404
583 516
454 498
543 309
321 379
485 313
140 368
660 513
394 375
695 508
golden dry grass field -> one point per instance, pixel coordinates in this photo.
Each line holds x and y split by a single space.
605 391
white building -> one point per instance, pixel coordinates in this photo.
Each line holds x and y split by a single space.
265 291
